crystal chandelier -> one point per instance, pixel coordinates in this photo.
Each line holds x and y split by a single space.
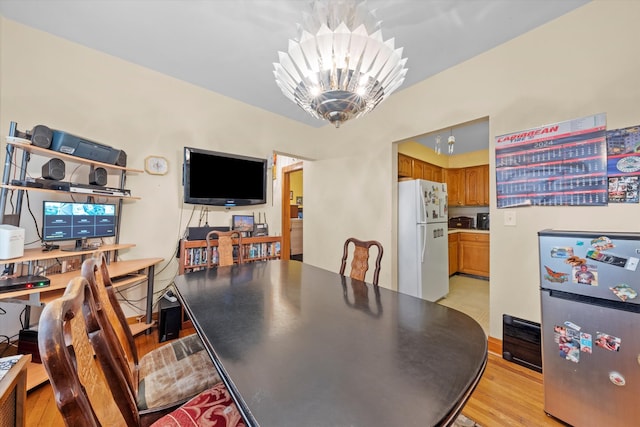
339 68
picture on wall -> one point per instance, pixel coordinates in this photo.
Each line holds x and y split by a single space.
561 164
623 164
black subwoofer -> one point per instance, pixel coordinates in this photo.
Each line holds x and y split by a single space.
169 320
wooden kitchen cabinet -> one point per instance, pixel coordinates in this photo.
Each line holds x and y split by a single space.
405 166
409 167
455 179
476 186
431 172
485 183
453 254
473 256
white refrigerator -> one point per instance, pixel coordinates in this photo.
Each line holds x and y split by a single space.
423 242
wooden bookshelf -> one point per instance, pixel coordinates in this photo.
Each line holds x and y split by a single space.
193 253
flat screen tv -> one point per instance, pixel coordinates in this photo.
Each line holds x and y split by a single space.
77 221
223 179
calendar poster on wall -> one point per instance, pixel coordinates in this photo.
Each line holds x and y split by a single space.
561 164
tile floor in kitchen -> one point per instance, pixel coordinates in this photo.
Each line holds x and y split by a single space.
470 296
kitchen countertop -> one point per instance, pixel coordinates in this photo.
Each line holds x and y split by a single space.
467 230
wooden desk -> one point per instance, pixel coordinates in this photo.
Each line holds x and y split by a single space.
122 273
13 394
298 345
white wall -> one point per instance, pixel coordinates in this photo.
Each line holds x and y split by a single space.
580 64
46 80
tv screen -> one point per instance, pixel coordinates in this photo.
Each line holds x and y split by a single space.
77 221
222 179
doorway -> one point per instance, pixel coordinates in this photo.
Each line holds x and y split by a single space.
292 212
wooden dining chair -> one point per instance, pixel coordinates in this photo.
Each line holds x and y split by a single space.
224 248
166 376
89 389
360 259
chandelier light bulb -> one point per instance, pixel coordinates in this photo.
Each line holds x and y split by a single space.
438 141
339 50
451 141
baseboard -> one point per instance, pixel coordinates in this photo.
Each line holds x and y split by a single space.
472 276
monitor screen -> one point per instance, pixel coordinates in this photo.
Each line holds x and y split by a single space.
77 221
242 222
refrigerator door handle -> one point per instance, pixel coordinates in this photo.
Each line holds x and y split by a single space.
422 213
423 231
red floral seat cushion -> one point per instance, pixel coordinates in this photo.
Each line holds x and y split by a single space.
212 407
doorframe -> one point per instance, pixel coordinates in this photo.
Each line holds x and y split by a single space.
285 253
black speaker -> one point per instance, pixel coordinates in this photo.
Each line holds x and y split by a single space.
98 176
53 169
200 233
169 320
122 159
41 136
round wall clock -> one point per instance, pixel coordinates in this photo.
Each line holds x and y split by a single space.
156 165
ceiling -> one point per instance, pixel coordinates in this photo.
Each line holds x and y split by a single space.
229 46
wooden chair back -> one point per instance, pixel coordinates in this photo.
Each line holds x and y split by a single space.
74 348
95 271
360 259
225 247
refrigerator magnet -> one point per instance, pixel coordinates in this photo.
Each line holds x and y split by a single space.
561 252
624 292
608 342
606 258
572 325
585 274
617 378
602 243
586 343
632 263
555 276
575 261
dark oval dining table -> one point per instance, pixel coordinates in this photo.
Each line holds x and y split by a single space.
298 345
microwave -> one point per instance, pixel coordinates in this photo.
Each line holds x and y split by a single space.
482 222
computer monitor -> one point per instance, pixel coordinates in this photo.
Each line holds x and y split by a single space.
77 221
242 223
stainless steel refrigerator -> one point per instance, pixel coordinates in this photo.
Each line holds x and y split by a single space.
423 243
589 285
